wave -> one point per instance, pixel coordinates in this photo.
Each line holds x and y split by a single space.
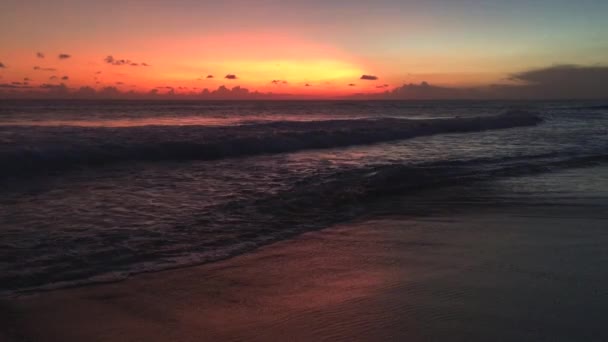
245 225
598 107
26 150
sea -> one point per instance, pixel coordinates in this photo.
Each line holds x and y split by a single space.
97 191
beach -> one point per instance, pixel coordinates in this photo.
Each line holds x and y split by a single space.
477 270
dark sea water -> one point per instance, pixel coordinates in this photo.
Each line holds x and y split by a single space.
96 191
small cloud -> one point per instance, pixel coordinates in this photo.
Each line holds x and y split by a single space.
56 87
98 72
2 65
277 82
307 85
209 76
231 77
111 60
382 86
120 83
13 86
44 69
39 55
369 77
352 85
26 79
65 78
64 56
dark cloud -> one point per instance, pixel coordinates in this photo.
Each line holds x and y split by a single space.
555 82
64 56
2 65
44 69
113 61
369 77
112 92
550 83
209 76
382 86
278 82
55 88
26 79
351 84
307 85
14 85
65 78
426 91
39 55
231 77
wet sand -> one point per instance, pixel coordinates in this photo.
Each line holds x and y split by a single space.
514 274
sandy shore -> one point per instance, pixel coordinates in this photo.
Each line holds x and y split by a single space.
511 275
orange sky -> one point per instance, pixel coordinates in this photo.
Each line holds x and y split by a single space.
313 48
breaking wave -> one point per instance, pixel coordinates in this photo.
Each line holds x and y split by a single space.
42 149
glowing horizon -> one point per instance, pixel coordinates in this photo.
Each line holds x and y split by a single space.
312 49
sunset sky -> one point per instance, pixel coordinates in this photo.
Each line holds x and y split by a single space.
316 48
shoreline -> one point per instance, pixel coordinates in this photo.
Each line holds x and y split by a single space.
386 278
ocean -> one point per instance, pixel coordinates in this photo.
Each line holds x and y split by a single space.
96 191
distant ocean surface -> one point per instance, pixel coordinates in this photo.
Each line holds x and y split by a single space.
98 190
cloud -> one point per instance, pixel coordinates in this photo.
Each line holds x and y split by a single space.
550 83
44 69
351 84
209 76
278 82
26 79
382 86
368 77
2 65
64 56
307 85
113 61
55 88
557 82
120 83
231 77
98 72
39 55
14 85
65 78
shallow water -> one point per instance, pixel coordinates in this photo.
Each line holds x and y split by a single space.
106 217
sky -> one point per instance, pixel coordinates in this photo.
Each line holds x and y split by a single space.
307 48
